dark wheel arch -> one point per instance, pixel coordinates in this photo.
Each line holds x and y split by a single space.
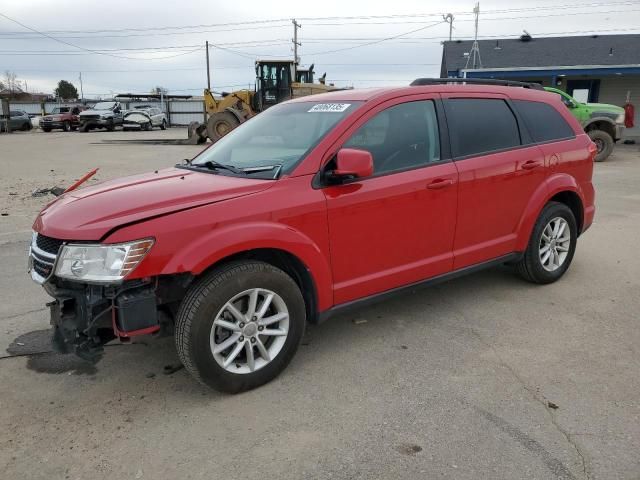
573 201
288 263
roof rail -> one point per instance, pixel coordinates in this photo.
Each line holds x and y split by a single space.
475 81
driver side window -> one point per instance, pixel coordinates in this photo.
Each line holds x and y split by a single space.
400 137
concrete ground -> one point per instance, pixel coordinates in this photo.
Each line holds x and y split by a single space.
482 377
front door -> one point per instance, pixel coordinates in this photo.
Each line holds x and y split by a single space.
396 227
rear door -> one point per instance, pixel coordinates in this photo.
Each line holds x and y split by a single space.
397 226
499 169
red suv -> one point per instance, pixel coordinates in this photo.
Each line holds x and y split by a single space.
317 205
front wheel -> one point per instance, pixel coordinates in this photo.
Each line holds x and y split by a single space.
551 246
66 126
239 326
604 144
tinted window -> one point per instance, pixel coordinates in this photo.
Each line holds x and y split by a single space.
400 137
544 122
479 125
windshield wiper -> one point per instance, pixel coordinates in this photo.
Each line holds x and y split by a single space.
211 165
264 168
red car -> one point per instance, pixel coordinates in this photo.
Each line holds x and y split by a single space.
64 118
315 206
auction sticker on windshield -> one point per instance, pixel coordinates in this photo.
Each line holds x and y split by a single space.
330 107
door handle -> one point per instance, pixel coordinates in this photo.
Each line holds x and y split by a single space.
440 183
530 165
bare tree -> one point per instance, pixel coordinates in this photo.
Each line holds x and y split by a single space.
11 83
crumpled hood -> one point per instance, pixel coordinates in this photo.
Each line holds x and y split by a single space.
95 112
89 213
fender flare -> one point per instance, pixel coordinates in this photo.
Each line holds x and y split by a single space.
593 120
242 237
556 183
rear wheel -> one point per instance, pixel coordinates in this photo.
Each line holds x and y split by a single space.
27 126
163 125
66 126
221 123
603 142
551 246
239 327
46 129
110 125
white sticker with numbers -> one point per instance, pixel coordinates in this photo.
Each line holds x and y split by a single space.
330 107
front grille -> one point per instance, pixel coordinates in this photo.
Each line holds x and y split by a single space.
90 117
41 268
48 244
43 254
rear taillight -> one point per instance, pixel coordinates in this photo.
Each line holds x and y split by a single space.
593 150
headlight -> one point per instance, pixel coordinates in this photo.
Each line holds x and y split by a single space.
620 118
101 263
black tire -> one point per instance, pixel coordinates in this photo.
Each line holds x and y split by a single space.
84 128
147 127
604 142
110 126
207 297
66 126
46 129
74 128
221 123
27 126
530 265
163 125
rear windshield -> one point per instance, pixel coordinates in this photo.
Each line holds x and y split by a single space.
280 137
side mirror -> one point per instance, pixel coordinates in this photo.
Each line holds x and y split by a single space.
351 162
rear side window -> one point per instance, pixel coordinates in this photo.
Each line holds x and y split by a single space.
544 122
480 125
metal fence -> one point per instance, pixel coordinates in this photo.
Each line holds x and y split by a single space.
179 112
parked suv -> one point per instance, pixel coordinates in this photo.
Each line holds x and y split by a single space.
315 206
102 115
64 118
603 123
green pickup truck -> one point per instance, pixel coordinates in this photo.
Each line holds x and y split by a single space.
604 123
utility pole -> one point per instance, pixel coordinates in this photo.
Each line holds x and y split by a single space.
474 54
296 44
449 19
81 91
208 71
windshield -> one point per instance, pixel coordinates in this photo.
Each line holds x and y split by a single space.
103 106
60 110
279 138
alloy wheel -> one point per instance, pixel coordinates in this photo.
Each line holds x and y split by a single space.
249 330
555 243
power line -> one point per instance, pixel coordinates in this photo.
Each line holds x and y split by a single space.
88 49
285 21
377 41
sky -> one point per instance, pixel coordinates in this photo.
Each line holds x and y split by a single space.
121 46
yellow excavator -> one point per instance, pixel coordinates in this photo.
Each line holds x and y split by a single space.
276 81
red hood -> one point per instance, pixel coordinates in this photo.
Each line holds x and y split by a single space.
89 213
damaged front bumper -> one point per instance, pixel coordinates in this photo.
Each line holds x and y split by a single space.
84 317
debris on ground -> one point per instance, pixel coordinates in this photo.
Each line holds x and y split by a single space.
358 321
41 192
552 405
150 375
